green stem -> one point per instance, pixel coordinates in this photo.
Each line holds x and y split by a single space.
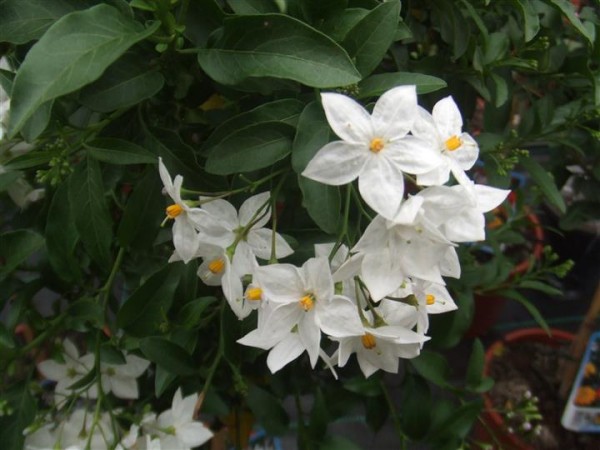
344 231
274 195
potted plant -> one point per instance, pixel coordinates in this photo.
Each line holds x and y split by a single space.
228 207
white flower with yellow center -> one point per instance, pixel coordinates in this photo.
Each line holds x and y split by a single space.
442 129
375 148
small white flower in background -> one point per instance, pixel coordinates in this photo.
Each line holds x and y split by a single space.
120 379
176 428
65 374
376 148
442 129
4 101
42 438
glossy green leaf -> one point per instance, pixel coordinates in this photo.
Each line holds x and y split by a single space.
16 247
286 111
279 46
144 212
38 122
545 182
162 380
253 6
338 26
192 313
375 85
268 410
530 307
119 151
111 355
568 9
322 202
86 310
24 20
90 39
530 18
313 132
28 160
8 178
170 356
90 211
144 311
62 236
202 18
458 425
416 406
366 387
432 366
124 84
251 148
368 41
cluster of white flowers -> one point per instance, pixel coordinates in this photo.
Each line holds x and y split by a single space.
373 299
173 429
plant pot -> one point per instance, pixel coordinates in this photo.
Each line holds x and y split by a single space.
489 307
493 428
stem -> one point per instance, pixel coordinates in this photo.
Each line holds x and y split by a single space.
394 414
274 195
344 231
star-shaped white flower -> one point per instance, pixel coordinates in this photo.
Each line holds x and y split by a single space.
375 148
442 129
120 379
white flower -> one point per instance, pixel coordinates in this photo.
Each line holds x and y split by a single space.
79 429
375 148
120 379
442 129
65 374
188 221
176 427
42 438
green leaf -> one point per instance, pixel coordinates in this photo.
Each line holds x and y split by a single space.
545 182
322 202
368 41
500 90
8 178
28 160
124 84
416 406
432 366
192 313
540 286
459 423
16 247
312 134
62 236
202 18
319 417
85 310
530 18
286 111
111 355
162 380
279 46
251 148
144 311
24 20
24 408
253 6
375 85
567 8
37 123
170 356
366 387
268 410
535 313
89 208
338 26
74 52
475 365
119 151
331 442
143 213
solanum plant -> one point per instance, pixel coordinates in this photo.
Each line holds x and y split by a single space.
213 206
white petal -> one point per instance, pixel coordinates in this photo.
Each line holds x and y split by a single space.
317 275
349 120
339 318
193 434
70 349
436 177
413 155
223 211
284 352
260 243
250 208
244 260
394 112
488 197
466 155
337 163
349 269
425 128
381 185
450 264
375 236
281 283
234 292
185 239
310 335
469 226
380 274
134 366
409 210
52 370
165 177
124 387
447 118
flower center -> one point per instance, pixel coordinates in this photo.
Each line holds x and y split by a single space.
376 145
368 341
307 302
430 299
254 294
173 211
452 143
216 266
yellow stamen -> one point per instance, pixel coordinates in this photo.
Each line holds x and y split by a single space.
430 299
216 266
376 145
453 143
254 294
368 341
173 211
307 302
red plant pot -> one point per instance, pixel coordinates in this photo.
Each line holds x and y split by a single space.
488 307
493 422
